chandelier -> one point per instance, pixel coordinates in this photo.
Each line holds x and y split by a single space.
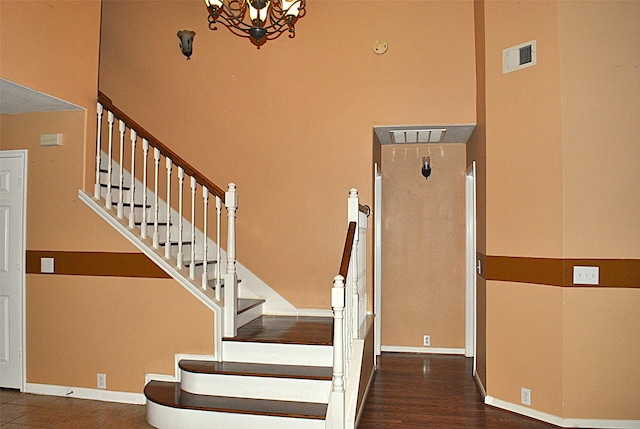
260 20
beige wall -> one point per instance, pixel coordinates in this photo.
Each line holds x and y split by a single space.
601 131
601 128
77 326
561 138
290 123
423 236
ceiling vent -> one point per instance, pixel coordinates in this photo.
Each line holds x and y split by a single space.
417 136
519 57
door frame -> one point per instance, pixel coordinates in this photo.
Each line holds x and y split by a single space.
22 155
377 250
470 289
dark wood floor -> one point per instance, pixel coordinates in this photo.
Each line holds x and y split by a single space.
432 391
408 391
287 330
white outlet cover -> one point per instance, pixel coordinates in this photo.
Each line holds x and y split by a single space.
525 396
47 265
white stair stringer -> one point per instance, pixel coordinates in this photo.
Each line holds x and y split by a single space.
251 287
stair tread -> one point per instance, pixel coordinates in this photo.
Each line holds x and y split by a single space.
257 370
246 304
287 330
169 394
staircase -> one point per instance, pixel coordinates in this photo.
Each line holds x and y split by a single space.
277 373
268 371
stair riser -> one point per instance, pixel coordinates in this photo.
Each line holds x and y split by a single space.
283 389
277 354
163 417
249 315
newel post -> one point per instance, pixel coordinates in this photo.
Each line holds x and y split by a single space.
231 276
337 385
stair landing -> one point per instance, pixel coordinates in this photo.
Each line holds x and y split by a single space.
287 330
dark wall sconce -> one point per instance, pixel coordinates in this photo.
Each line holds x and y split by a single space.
186 42
426 166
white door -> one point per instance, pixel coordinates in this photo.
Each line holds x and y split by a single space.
12 257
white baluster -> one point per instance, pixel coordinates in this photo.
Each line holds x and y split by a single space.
156 159
96 189
167 243
145 168
192 266
218 256
337 384
180 216
132 191
121 170
231 278
205 271
108 198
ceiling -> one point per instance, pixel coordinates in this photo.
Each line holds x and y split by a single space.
16 99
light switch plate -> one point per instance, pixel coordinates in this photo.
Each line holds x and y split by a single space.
586 275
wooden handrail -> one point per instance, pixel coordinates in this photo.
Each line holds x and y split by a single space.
164 150
346 253
364 209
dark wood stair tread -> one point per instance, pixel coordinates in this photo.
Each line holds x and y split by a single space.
287 330
246 304
257 370
170 395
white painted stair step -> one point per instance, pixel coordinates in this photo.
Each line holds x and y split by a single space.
279 382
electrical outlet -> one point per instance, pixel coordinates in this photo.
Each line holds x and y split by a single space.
525 396
102 381
426 341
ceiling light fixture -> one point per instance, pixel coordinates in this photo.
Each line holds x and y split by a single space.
260 20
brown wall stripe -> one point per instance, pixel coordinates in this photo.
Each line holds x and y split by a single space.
96 264
623 273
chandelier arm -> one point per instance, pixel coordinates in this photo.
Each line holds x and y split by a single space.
233 18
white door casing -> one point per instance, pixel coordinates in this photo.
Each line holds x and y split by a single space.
13 165
470 301
377 270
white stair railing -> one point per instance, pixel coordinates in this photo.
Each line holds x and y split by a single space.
167 228
349 302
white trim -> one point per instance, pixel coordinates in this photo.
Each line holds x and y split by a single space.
426 350
377 264
479 385
178 418
470 252
23 155
305 312
85 393
560 421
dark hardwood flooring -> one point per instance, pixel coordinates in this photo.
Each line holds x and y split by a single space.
408 391
287 330
432 391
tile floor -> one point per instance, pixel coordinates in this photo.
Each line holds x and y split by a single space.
24 411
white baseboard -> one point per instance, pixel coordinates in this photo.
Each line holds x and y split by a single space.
85 393
433 350
561 421
480 386
302 312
